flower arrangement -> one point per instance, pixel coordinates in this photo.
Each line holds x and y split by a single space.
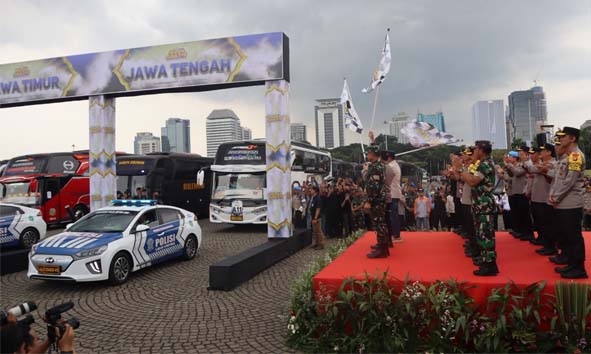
376 315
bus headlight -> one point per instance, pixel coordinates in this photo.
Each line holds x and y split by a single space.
260 211
90 253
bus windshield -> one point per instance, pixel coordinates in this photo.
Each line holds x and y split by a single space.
130 184
239 185
25 166
17 193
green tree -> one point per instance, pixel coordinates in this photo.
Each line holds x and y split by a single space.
585 145
517 143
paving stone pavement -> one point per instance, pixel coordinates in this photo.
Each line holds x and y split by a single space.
168 309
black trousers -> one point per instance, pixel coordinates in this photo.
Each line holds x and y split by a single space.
587 221
522 221
537 217
571 232
459 219
334 225
507 219
468 225
513 212
438 218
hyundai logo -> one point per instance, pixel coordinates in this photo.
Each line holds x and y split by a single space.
49 260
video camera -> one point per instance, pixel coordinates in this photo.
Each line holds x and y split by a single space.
20 310
53 317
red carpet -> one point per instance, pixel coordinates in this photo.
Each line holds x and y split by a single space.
431 256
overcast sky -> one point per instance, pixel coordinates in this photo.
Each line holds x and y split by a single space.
445 55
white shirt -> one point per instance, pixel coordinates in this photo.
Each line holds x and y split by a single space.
450 206
395 189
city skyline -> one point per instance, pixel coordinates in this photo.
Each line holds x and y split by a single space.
436 74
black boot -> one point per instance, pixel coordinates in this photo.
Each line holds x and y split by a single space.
547 251
562 270
528 237
536 241
487 270
560 259
382 252
578 272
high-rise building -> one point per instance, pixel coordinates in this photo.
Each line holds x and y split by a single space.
488 123
329 123
176 135
527 113
246 133
145 143
298 132
437 120
223 125
398 122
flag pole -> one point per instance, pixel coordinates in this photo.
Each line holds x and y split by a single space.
419 149
375 103
362 147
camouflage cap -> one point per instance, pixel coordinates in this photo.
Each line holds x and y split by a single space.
374 149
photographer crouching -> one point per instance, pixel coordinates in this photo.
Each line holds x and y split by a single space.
17 336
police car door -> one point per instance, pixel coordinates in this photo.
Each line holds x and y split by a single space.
9 218
143 246
169 241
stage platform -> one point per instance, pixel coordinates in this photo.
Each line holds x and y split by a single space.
430 256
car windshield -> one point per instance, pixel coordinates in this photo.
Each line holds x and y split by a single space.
18 193
239 185
104 221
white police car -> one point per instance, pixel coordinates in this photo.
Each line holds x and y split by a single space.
112 242
20 226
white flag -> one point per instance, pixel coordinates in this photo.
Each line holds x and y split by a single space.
352 120
423 134
379 75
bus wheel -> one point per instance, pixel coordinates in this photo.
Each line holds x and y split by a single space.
190 249
29 237
79 212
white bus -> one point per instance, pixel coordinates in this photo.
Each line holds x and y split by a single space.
239 180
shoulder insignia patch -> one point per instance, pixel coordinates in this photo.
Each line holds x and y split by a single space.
575 162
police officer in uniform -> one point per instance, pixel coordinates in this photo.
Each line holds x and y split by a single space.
481 178
471 248
542 212
375 190
566 196
520 214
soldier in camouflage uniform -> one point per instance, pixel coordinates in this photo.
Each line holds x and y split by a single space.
357 204
376 202
481 176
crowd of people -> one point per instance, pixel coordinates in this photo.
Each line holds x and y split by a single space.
541 189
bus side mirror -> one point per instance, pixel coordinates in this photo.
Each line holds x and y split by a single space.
200 178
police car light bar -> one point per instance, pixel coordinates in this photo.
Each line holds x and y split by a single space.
133 202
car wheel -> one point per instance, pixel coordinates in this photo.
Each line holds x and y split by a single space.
190 249
120 268
79 212
29 237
